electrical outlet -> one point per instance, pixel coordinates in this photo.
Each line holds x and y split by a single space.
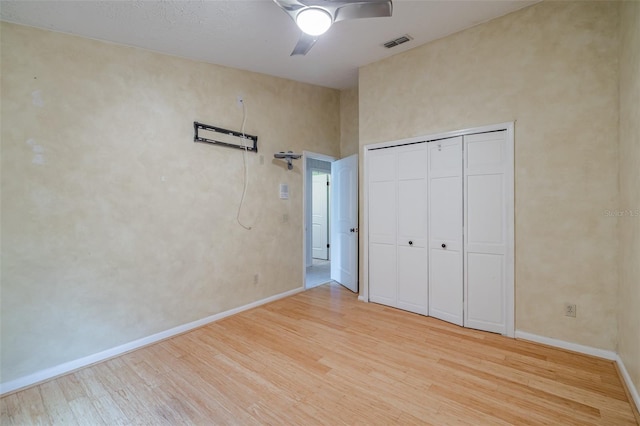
570 310
256 278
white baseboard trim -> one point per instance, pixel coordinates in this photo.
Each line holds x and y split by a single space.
68 367
575 347
627 379
361 298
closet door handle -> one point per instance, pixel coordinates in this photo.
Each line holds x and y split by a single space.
444 245
410 243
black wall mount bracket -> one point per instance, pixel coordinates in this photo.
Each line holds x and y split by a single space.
224 137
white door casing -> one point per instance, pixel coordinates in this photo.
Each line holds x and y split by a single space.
320 216
307 173
344 222
445 230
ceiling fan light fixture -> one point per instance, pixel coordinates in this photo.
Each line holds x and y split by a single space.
314 21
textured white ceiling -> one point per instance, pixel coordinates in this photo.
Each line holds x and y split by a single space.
255 35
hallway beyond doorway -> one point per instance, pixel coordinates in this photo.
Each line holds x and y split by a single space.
318 273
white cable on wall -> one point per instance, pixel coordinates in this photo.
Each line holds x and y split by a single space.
246 168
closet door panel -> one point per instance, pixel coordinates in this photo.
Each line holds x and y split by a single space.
445 230
485 211
382 212
382 274
411 243
412 161
382 196
445 218
485 290
445 286
412 228
412 279
486 231
412 212
382 226
382 165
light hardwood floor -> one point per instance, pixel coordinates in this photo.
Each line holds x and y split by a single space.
322 357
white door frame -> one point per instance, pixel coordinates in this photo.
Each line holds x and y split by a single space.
510 279
306 198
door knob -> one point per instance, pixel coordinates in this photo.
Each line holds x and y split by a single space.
352 230
444 245
410 243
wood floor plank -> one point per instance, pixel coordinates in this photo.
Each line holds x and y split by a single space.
30 400
12 412
85 412
71 387
56 404
205 404
321 357
109 411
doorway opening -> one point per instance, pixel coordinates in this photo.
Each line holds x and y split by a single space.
342 220
317 221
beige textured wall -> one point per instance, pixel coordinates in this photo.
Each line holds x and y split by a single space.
629 223
115 225
349 122
553 68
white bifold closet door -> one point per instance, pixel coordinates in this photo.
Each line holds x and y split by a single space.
487 186
382 226
398 227
411 241
445 230
441 229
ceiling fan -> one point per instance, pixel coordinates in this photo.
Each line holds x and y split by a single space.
315 17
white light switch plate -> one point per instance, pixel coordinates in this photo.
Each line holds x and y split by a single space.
284 191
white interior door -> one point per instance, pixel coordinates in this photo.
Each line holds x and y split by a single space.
320 216
445 230
412 228
344 222
488 199
381 170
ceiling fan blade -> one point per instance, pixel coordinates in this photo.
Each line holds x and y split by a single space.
363 9
340 10
291 7
305 43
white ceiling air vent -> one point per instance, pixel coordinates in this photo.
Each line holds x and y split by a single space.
392 43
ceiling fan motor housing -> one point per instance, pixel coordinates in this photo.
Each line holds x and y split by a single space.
321 14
